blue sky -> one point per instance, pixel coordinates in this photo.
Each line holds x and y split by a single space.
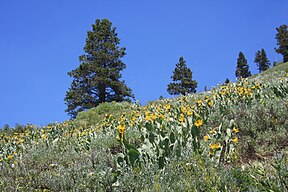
42 40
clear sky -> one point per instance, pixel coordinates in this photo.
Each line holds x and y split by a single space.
42 40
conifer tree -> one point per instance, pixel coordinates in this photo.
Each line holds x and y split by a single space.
161 97
182 80
262 61
98 77
282 41
242 69
227 81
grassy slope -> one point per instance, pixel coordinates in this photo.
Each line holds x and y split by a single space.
63 157
276 70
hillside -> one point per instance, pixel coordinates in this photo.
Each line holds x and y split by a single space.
233 138
275 71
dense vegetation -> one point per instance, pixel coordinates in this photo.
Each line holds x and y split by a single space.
232 138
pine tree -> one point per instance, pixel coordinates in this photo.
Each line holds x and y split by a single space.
182 80
227 81
161 97
262 61
282 41
97 79
242 69
257 59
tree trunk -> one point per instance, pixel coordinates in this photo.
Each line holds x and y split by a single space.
102 93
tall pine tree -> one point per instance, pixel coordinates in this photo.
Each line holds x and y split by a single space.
242 69
262 61
182 80
282 41
97 79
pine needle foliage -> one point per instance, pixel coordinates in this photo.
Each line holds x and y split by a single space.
182 80
262 61
282 41
98 78
242 69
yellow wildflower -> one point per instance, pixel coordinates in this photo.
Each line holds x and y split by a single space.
235 130
121 128
210 103
154 116
211 152
10 156
215 146
206 138
133 120
189 112
183 109
198 123
44 136
185 99
235 140
199 102
181 118
167 107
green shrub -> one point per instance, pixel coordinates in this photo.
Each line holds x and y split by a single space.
96 115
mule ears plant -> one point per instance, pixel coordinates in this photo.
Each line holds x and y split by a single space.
282 41
98 78
262 61
242 69
182 80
